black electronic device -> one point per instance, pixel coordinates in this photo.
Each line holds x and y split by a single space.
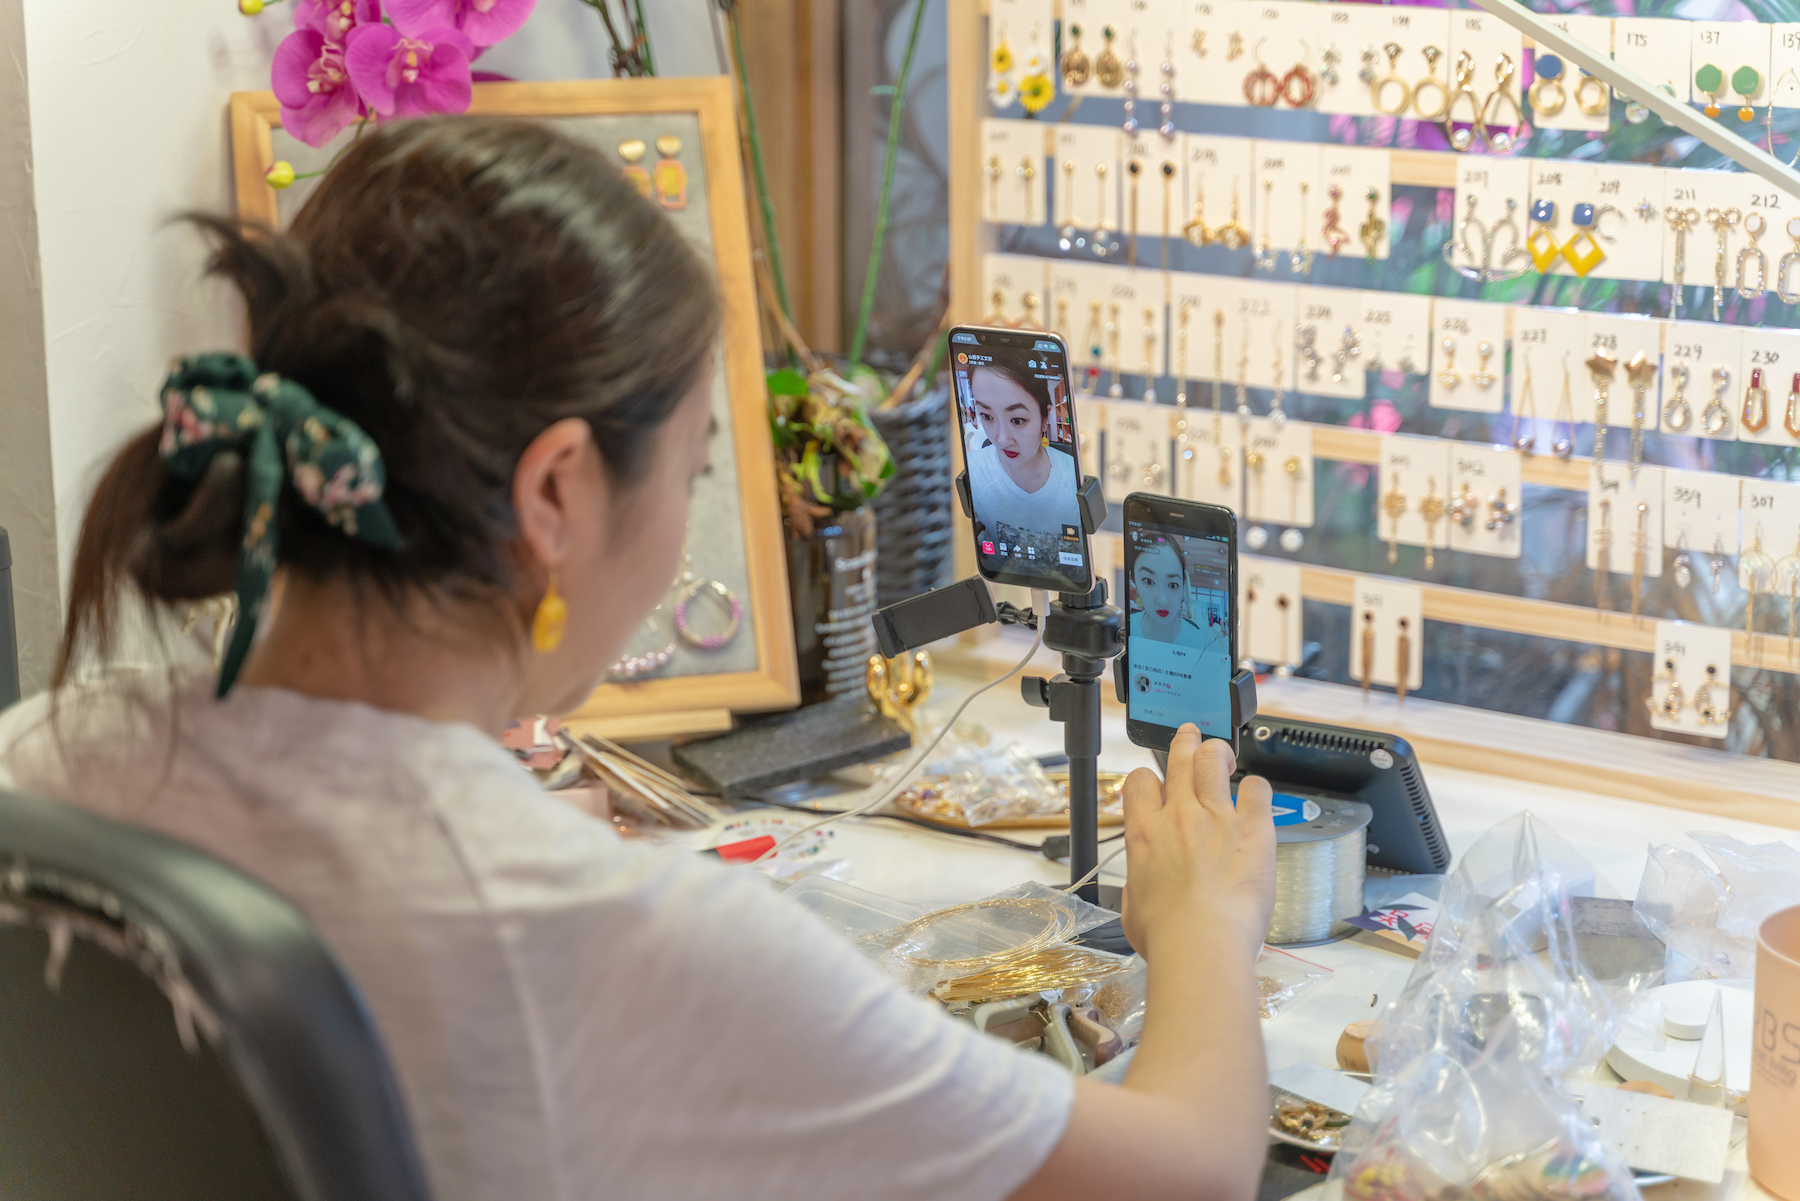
1306 758
1022 483
1181 567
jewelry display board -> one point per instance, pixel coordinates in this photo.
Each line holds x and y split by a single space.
721 641
1545 352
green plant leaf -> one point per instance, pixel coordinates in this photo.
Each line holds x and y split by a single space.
786 382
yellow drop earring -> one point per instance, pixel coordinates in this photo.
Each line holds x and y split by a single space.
551 617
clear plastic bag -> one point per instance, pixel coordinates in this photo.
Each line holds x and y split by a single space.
962 939
995 783
1120 999
1707 914
1466 1099
1282 979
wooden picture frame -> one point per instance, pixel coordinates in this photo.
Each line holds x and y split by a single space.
681 702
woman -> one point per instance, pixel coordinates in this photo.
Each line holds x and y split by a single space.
1164 612
487 362
1016 477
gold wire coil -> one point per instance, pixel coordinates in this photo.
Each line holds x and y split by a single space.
1056 968
1059 923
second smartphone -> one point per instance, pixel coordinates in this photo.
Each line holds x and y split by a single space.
1181 569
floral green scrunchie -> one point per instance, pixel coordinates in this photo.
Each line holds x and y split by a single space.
215 402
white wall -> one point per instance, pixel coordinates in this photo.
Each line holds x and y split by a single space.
128 128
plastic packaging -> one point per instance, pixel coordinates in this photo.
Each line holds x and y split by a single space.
1707 914
853 912
1466 1099
1120 999
1282 979
962 939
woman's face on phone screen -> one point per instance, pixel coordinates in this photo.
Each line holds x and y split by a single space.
1161 588
1010 418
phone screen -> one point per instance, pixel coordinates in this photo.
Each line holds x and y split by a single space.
1179 647
1017 424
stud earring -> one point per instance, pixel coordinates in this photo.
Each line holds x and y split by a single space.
1075 65
1108 70
1464 506
1754 225
551 618
1257 536
1710 81
1712 709
1746 82
1482 377
1447 376
992 171
1671 703
1403 660
1026 171
1755 414
1562 426
633 151
1677 414
1235 48
1546 93
1501 512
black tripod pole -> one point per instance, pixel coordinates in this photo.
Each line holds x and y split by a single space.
1085 631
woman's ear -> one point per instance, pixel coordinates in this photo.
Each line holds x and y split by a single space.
556 486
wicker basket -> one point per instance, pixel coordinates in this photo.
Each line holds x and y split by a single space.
913 518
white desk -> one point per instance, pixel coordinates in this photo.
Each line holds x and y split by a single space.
935 869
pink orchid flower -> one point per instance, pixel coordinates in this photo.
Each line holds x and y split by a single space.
335 18
483 22
411 74
313 85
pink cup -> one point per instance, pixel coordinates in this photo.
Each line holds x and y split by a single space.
1774 1149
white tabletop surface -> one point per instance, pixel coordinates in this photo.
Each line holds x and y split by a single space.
936 869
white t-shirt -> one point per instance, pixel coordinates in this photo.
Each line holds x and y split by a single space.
998 499
569 1015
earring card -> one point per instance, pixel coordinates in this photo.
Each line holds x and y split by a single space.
1703 507
1613 505
1700 191
1635 252
1208 470
1094 16
1268 631
1493 479
1413 467
1351 28
1288 215
1217 169
1137 450
1380 606
1729 45
1597 33
1784 65
1465 326
1275 494
1548 347
1204 72
1656 48
1775 353
1084 195
1007 147
1355 170
1395 329
1775 506
1281 35
1691 649
1141 348
1327 312
1563 184
1012 277
1624 337
1255 311
1705 350
1494 183
1067 314
1142 191
1486 37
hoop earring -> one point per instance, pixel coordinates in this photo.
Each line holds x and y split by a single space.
1462 139
1377 86
1301 79
1546 94
1432 54
1262 87
1500 143
1595 106
551 618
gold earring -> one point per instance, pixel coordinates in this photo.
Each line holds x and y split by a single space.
1404 661
551 617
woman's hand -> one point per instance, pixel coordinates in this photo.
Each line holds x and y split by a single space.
1192 856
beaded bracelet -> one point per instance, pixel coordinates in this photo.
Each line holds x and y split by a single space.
707 642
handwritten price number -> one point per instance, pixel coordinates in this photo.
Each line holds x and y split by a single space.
1125 291
1472 24
1401 21
1002 280
1204 154
1204 10
1265 440
1318 312
1762 501
1685 495
1371 600
1610 341
1637 39
1475 179
1398 459
1457 325
1378 317
1139 5
1339 169
1338 17
1765 357
1674 649
1684 193
1471 467
1549 179
1533 335
1253 308
1685 350
1274 164
1610 187
1765 200
1709 37
1062 283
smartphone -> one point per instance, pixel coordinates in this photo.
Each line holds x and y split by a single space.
1181 569
1016 421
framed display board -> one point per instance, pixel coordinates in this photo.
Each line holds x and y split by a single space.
678 137
1493 378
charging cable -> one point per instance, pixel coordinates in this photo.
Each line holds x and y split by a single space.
1092 872
885 790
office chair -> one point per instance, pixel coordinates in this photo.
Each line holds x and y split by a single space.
171 1030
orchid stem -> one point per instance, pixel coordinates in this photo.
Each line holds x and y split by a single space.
887 188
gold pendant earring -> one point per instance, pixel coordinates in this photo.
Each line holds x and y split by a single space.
552 616
1431 82
1672 702
1640 551
671 176
1075 65
1368 653
1492 108
1392 79
1393 507
1107 68
1431 508
1373 230
1403 660
633 151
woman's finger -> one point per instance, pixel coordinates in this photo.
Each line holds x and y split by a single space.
1181 761
1213 763
1143 799
1255 801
